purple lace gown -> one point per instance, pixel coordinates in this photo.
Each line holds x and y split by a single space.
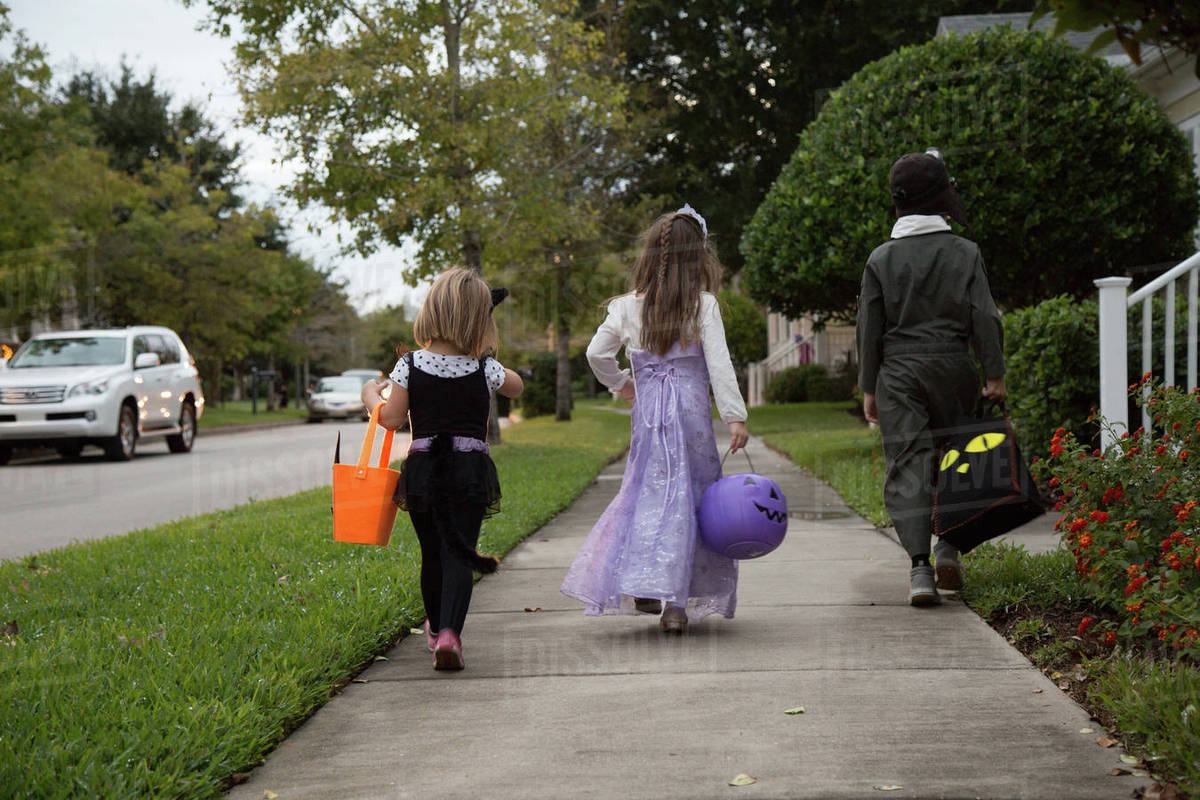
646 543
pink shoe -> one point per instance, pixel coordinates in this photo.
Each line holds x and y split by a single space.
430 639
447 653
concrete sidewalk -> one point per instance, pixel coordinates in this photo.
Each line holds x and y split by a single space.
553 705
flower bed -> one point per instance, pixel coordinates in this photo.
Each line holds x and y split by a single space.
1131 519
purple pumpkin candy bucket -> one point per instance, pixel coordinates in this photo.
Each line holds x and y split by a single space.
743 516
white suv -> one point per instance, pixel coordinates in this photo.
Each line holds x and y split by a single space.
104 387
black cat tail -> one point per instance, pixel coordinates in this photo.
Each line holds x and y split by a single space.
441 450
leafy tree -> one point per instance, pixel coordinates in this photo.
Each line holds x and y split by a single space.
734 83
1067 171
382 330
132 119
1133 23
478 128
745 328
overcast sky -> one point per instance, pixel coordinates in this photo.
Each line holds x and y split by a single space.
161 35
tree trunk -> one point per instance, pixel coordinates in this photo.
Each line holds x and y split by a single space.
562 338
272 397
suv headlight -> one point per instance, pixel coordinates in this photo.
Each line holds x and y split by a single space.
94 387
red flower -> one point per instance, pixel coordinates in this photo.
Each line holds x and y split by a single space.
1160 450
1110 638
1099 516
1131 525
1055 481
1183 455
1086 541
1083 624
1077 524
1175 427
1135 607
1056 450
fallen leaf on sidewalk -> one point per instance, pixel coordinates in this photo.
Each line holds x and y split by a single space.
269 795
795 711
1055 675
381 658
743 780
1038 691
415 631
1161 791
888 787
1141 773
359 680
531 610
1087 730
1128 759
1117 771
1104 741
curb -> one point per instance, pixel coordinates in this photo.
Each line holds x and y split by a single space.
249 427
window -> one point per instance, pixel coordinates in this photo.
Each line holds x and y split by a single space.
167 349
141 344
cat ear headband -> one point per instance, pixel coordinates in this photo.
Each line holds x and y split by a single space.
498 295
688 211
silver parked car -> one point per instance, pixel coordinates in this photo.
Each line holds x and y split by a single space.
110 388
336 396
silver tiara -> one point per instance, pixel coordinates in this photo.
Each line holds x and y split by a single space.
694 214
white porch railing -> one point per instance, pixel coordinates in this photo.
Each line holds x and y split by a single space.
1114 369
785 354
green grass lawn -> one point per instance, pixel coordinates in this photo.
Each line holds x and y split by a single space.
1036 600
831 443
238 413
160 663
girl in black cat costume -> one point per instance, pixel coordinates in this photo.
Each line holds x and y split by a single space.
448 483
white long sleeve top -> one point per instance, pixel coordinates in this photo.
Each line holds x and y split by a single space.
623 328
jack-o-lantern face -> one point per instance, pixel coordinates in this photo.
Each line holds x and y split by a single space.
767 499
980 444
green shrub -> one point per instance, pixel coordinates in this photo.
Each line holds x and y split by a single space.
807 382
1053 370
1130 517
540 389
1067 170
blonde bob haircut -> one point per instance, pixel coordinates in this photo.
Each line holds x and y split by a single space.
458 310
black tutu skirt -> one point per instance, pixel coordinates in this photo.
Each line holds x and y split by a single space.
430 479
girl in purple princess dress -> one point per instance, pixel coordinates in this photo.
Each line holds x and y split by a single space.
645 554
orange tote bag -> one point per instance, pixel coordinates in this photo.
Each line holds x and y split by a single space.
363 509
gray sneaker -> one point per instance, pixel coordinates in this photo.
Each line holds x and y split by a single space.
948 569
923 592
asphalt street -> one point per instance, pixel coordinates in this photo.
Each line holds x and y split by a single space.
48 502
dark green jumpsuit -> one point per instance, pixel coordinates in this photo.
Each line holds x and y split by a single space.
924 304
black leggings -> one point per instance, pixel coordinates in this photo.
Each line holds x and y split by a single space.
446 582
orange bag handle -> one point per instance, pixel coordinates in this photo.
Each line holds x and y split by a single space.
385 454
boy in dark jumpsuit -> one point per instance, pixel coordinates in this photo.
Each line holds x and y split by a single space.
924 305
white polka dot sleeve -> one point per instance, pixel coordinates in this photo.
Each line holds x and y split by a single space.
495 373
399 373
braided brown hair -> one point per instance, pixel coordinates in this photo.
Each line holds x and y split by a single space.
676 264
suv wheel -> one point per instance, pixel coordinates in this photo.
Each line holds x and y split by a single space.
182 442
121 446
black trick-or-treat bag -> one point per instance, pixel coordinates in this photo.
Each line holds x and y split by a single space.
984 489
